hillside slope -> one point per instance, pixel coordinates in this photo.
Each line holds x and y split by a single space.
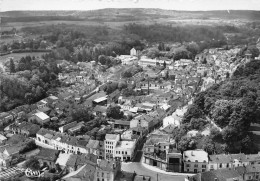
232 105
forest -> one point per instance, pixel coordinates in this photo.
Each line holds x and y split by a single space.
28 82
232 105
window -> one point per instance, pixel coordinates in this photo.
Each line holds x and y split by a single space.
203 170
196 160
227 165
188 170
220 165
187 165
203 166
196 165
102 174
211 166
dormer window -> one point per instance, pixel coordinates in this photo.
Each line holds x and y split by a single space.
196 160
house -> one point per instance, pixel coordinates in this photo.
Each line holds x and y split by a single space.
26 128
76 128
77 161
107 170
173 120
133 52
249 172
195 161
47 157
159 151
64 128
218 175
5 118
59 141
63 159
127 59
113 97
95 147
221 161
125 150
40 118
2 139
4 160
84 173
146 121
118 124
111 141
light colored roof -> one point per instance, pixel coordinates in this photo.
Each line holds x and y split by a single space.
2 138
42 115
195 155
63 158
112 137
100 99
125 145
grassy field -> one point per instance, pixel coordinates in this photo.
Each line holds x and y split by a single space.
17 56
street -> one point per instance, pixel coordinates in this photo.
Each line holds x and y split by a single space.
138 168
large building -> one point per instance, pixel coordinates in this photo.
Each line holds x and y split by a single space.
117 149
58 141
195 161
145 61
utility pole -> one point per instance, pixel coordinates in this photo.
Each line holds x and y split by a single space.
157 176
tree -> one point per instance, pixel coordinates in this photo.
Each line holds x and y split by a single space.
12 66
254 50
114 112
81 114
204 61
164 64
102 59
32 163
153 53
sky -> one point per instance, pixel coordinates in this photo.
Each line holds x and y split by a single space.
8 5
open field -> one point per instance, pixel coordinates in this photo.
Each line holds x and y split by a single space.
17 56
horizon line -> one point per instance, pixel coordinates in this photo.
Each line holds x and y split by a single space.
136 8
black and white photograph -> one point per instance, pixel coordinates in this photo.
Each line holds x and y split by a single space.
129 90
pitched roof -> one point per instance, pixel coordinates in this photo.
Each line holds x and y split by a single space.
222 158
48 154
122 122
106 165
84 173
94 144
221 175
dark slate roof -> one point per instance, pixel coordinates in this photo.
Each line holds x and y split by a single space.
48 154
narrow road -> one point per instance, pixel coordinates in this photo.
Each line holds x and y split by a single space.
138 168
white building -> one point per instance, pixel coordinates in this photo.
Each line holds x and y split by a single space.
119 149
133 52
145 61
171 120
125 150
195 161
127 59
110 144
